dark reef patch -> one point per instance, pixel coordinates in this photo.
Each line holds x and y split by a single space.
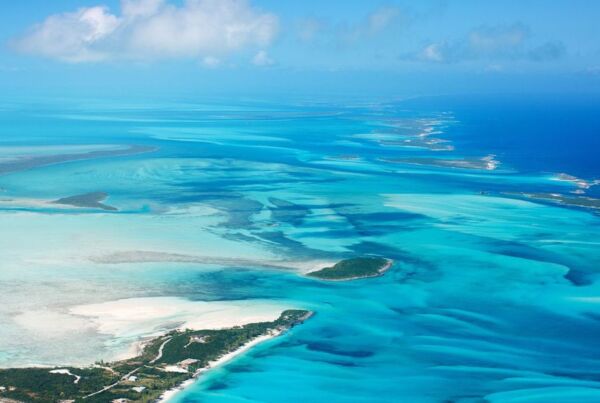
332 349
88 200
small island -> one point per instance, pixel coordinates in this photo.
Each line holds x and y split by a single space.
488 163
353 269
164 364
432 144
88 200
565 200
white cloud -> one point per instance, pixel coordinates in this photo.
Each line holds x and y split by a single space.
346 32
433 53
547 51
509 42
375 23
211 62
309 28
262 58
151 29
494 68
140 8
71 36
497 39
381 18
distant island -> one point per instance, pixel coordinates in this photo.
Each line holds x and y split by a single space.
87 200
353 269
565 200
582 184
164 365
420 142
30 162
488 163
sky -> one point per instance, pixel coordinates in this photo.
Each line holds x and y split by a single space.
284 47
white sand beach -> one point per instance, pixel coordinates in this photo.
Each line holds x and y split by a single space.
117 329
142 318
171 393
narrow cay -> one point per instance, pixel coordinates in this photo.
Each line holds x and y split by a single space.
166 364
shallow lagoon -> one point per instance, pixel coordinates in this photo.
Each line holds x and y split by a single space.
490 296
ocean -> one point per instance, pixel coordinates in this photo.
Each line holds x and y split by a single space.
493 296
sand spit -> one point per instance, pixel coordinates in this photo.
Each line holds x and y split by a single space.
30 162
148 317
138 256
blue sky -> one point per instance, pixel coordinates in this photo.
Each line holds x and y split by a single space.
254 47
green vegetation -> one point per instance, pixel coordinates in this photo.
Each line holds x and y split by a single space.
165 362
355 268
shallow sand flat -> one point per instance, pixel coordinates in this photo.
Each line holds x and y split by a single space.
146 316
137 256
49 256
85 201
19 203
29 162
15 152
46 271
70 237
208 135
112 330
52 324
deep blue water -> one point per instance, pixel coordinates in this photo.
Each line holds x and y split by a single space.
551 133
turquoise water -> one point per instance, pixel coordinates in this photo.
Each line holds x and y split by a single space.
492 297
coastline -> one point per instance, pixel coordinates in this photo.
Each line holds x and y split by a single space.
379 273
157 374
141 317
224 359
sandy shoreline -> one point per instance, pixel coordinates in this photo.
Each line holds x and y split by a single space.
119 329
149 317
169 394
